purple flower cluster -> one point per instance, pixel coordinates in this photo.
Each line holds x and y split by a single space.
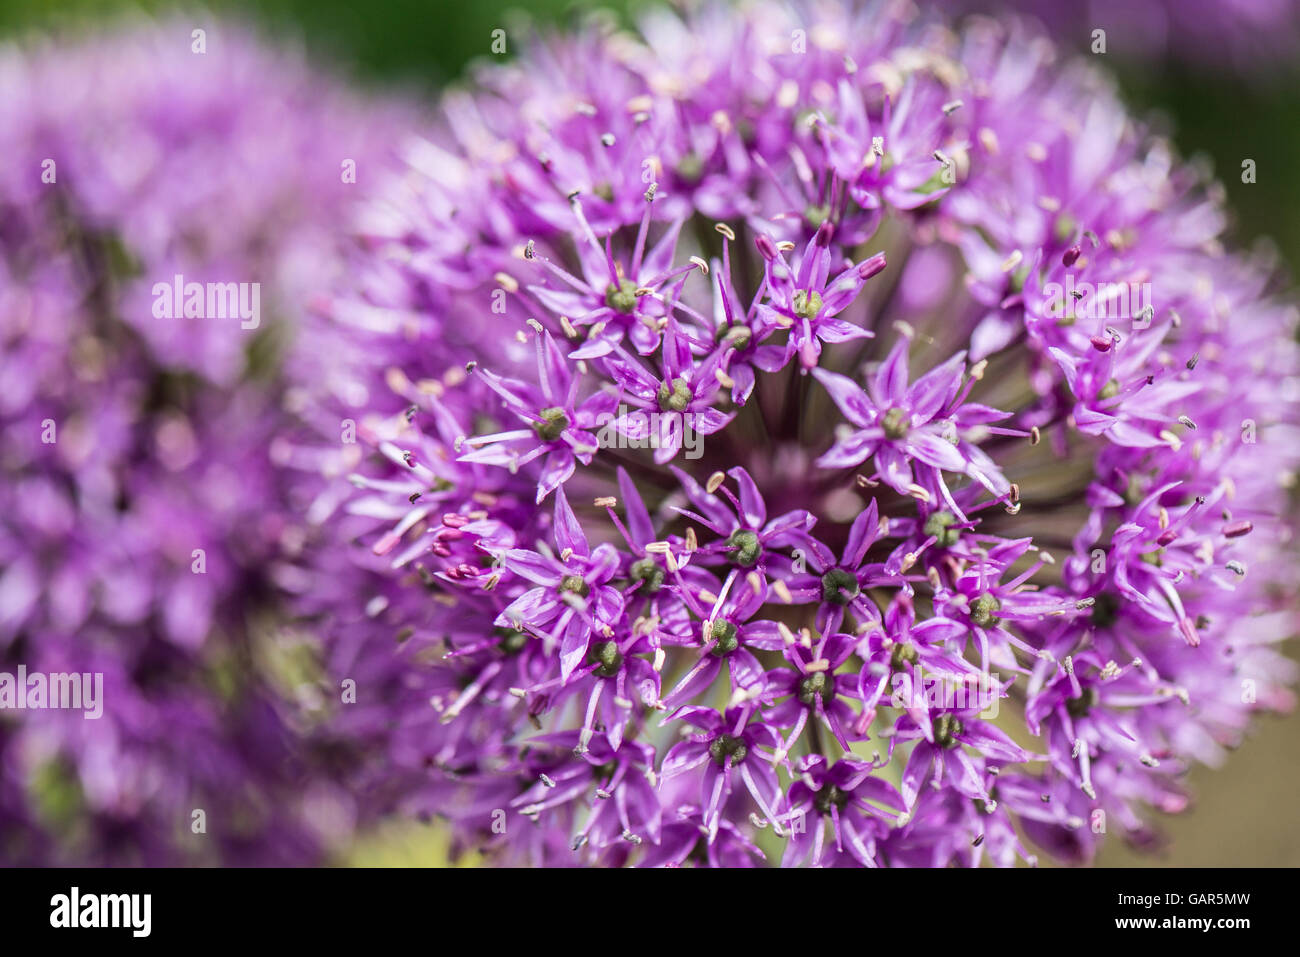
1243 34
809 435
141 520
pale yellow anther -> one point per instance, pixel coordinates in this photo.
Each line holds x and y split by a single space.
741 695
396 380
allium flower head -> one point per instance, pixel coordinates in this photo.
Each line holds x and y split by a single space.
840 440
142 526
1237 35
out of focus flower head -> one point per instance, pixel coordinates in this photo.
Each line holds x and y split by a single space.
141 521
810 433
1246 37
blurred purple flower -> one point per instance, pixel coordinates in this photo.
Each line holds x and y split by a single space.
143 528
